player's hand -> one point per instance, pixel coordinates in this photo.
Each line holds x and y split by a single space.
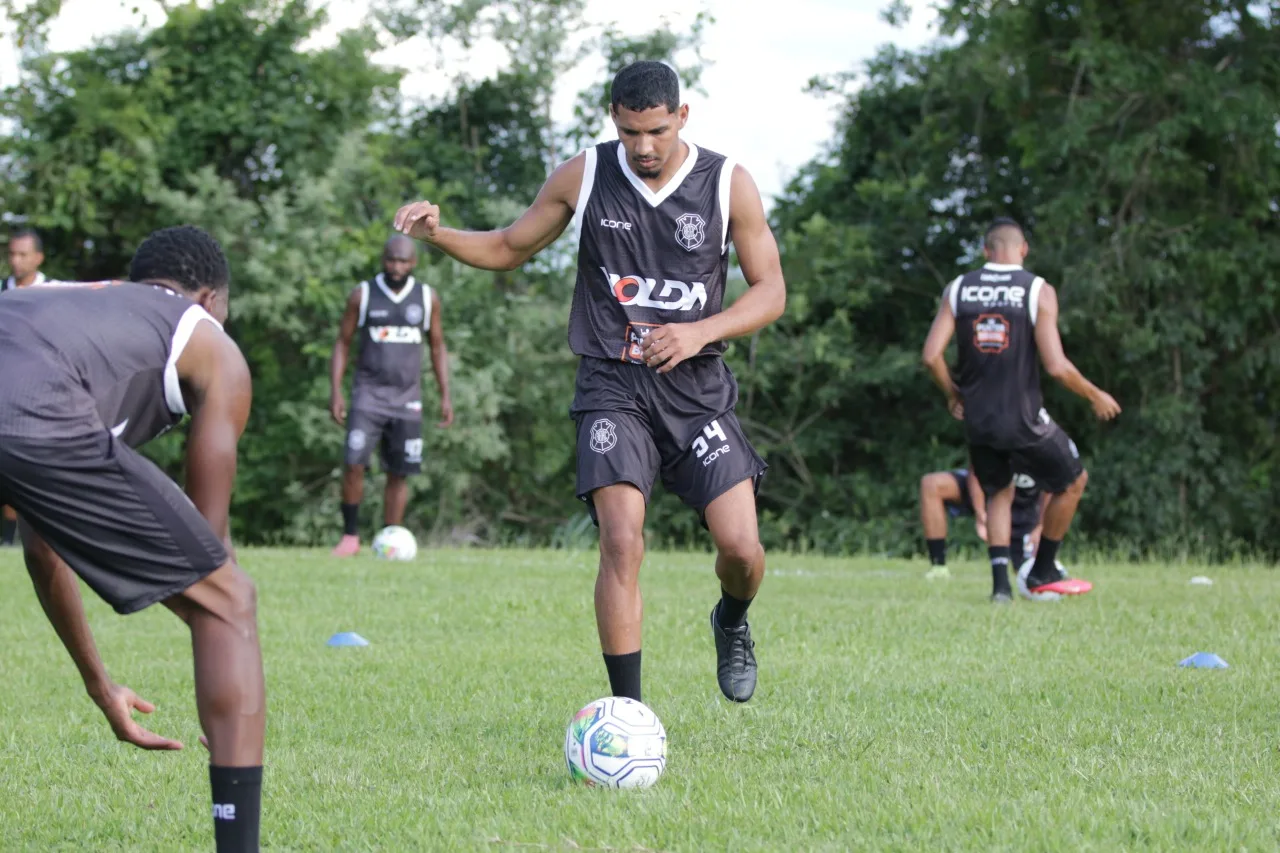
419 220
118 705
956 408
446 414
338 410
667 346
981 526
1105 406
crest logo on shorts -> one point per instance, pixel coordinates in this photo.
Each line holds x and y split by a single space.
604 435
1023 481
691 231
413 314
356 440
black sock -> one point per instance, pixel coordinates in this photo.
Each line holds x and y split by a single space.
8 531
937 551
732 611
237 805
999 568
351 519
624 674
1046 555
1017 554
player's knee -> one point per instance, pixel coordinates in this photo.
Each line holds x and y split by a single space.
928 486
621 545
743 550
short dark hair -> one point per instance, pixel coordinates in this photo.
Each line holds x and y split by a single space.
999 229
644 85
28 233
183 254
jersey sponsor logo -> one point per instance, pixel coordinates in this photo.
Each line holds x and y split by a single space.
645 293
396 334
379 313
224 811
1010 295
991 333
605 222
604 435
633 350
704 448
691 231
414 314
995 276
414 406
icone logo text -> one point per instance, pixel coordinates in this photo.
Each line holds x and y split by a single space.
670 295
707 452
615 223
986 294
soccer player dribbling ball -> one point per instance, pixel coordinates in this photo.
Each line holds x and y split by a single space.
653 217
91 373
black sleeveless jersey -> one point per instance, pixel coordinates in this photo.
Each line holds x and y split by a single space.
82 359
646 258
999 371
391 329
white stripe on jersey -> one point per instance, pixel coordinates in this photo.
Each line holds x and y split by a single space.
181 336
1033 299
584 192
726 179
364 303
953 295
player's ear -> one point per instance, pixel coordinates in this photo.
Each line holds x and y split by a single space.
683 114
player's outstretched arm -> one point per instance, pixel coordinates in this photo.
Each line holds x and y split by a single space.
341 354
440 360
935 355
766 296
59 593
512 246
1056 363
219 392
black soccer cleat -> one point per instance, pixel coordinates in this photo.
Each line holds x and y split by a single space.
735 659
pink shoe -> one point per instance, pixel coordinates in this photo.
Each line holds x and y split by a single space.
349 546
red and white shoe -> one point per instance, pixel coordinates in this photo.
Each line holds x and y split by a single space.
348 546
1036 590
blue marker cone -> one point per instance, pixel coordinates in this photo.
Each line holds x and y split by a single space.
1204 660
347 638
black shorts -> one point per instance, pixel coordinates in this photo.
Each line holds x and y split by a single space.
123 526
398 437
634 423
1053 462
1023 523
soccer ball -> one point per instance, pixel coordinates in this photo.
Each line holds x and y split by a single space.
395 543
616 743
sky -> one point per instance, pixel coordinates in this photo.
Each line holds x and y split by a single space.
760 54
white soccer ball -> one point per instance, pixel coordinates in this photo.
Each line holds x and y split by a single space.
616 743
395 543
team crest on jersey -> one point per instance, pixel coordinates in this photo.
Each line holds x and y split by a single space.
413 314
991 333
691 231
604 435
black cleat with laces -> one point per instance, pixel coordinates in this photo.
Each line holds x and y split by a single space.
735 659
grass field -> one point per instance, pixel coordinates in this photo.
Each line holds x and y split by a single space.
892 714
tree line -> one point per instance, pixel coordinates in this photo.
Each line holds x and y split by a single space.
1137 142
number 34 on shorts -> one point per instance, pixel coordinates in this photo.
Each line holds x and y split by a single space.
711 445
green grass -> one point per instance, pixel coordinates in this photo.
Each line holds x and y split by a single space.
892 714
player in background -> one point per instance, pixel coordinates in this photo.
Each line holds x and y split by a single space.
1003 316
91 373
26 255
653 217
956 494
391 313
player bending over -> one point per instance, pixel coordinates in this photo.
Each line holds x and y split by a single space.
91 373
391 313
1003 315
956 494
653 218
